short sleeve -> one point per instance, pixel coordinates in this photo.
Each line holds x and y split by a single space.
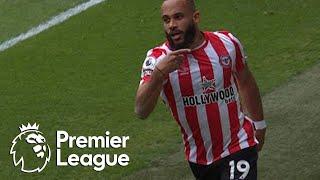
153 57
240 57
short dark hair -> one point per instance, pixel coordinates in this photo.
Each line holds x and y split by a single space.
191 4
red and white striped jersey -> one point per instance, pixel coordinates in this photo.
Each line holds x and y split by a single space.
203 97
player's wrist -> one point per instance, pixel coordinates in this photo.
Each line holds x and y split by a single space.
259 125
158 75
160 71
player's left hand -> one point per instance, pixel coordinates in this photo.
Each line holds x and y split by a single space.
260 134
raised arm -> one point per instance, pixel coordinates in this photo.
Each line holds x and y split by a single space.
147 95
149 91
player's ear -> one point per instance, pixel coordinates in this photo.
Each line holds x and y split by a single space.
196 16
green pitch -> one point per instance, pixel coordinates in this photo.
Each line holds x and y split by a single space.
81 76
19 16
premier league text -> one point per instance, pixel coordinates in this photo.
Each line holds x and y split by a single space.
97 161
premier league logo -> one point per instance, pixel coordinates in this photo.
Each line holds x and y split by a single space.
30 149
150 62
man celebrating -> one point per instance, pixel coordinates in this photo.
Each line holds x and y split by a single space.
202 76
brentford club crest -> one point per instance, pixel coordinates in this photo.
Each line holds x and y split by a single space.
225 61
208 85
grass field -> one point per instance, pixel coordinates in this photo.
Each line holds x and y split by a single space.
18 16
81 76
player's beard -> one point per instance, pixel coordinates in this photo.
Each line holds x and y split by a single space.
188 38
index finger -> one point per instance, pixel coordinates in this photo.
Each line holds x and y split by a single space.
180 51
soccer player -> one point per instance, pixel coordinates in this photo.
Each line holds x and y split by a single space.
202 76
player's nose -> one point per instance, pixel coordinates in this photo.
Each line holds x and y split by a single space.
172 24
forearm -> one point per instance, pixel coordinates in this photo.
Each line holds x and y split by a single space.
251 100
147 95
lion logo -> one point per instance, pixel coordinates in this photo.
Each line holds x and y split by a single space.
30 149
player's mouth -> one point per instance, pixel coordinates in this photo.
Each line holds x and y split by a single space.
176 36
